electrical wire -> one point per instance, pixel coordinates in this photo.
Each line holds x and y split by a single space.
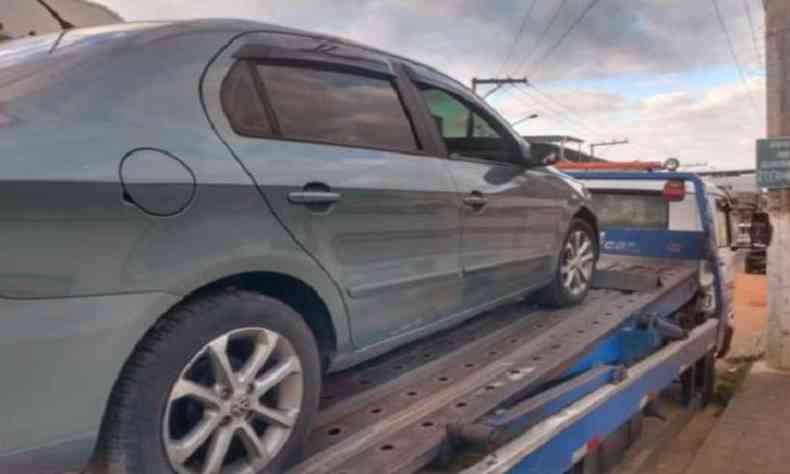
570 116
748 9
543 34
737 63
544 112
577 124
540 62
517 37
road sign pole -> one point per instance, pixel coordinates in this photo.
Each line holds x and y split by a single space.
777 40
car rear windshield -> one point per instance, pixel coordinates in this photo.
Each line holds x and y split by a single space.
337 107
643 210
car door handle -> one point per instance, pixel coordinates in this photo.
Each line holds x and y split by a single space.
313 197
475 200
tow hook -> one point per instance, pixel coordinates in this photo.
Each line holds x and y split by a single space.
664 327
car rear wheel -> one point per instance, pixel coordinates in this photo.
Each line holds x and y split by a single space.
576 264
225 383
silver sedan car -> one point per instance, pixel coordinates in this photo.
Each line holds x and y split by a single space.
200 219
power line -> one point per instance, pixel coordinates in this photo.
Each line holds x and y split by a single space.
562 113
542 36
748 9
552 109
741 76
565 110
546 112
567 33
517 37
570 116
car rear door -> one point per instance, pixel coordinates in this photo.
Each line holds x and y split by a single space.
509 212
326 133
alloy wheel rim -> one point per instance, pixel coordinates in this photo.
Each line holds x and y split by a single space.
578 260
234 405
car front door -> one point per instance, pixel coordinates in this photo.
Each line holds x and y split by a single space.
508 216
328 137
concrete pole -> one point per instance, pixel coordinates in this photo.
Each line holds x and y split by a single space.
777 19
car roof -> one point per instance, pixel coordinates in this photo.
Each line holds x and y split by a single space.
155 29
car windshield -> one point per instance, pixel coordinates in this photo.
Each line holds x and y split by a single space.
631 210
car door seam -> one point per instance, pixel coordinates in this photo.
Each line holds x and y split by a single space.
368 289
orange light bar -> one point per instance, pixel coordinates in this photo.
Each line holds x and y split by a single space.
610 165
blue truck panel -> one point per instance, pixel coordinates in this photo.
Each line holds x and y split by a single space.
556 444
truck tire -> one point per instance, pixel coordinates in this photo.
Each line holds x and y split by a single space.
575 267
231 377
748 266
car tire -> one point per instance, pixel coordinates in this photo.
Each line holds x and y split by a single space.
149 418
558 294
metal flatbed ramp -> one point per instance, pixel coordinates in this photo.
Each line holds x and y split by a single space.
383 423
649 375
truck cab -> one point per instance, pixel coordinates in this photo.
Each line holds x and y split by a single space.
660 215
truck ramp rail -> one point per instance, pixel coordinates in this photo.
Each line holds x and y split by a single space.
392 415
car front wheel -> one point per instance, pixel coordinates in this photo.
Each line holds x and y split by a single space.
573 276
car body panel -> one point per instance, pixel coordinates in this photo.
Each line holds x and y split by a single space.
508 243
77 237
392 240
87 271
390 243
60 360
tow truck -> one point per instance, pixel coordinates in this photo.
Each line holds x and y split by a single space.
535 390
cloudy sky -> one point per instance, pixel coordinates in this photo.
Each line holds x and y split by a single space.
658 72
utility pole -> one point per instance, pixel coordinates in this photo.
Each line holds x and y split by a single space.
777 41
593 146
497 82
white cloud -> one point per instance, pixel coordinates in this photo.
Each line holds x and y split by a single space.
467 38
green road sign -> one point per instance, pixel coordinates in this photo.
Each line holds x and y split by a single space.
773 163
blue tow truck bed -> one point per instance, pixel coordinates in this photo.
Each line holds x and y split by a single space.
539 390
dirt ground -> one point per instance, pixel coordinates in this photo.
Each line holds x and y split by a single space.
750 304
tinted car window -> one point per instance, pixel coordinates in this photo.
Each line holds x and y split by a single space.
337 107
638 210
242 103
465 131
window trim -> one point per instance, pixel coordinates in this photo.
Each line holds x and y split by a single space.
263 96
432 143
277 133
226 107
419 80
271 54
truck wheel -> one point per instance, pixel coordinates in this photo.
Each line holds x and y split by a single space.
227 382
575 267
